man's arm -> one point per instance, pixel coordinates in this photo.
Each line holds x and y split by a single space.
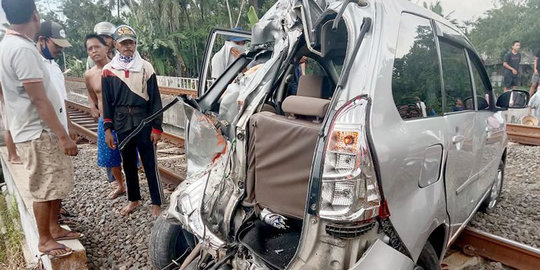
45 110
536 65
1 94
92 97
108 111
155 105
506 65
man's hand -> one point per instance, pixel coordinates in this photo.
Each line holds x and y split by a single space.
94 112
69 146
536 72
109 139
154 137
236 52
514 71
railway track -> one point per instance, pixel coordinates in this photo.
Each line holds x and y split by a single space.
528 135
86 127
510 253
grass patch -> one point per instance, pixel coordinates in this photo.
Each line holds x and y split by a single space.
11 236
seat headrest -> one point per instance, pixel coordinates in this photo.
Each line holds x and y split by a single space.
310 86
306 106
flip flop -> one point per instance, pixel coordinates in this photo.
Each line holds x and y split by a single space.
48 253
16 162
67 237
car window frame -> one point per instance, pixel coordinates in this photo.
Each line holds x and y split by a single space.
437 50
460 46
475 61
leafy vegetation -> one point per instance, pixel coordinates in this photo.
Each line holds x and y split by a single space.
11 235
511 20
172 33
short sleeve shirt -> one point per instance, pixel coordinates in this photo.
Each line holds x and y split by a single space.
538 56
512 60
21 63
57 79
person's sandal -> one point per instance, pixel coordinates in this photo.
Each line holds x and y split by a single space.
48 253
77 235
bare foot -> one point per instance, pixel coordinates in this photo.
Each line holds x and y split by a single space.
63 234
128 209
114 183
155 210
117 193
53 248
15 159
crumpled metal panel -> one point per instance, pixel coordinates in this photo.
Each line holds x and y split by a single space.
206 150
203 203
381 256
225 188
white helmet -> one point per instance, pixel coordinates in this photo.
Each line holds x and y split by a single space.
104 28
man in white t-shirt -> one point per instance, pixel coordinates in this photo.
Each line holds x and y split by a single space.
13 157
51 41
38 124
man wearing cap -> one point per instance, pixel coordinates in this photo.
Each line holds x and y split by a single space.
231 50
51 41
131 94
96 48
105 30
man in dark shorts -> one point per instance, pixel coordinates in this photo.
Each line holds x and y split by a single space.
511 67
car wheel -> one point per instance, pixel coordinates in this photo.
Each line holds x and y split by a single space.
491 201
428 259
168 242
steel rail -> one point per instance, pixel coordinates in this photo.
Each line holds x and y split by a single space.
474 242
522 134
80 118
162 89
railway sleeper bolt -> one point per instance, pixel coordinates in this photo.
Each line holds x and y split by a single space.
469 250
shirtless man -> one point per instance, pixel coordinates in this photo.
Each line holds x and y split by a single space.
109 158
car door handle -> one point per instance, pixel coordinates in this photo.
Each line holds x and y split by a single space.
458 139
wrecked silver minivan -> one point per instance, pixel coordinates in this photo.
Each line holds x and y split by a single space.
350 135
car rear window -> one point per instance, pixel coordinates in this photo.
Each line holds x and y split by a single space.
416 83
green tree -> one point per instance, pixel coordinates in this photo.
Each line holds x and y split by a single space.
511 20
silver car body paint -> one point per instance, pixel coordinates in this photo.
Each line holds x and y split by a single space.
382 256
423 164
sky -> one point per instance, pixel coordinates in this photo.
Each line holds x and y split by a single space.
462 9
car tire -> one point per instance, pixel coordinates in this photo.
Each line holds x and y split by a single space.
168 242
428 260
495 192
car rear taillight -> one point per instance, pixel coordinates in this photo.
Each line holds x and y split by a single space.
349 182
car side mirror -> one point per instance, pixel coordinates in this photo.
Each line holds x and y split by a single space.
515 99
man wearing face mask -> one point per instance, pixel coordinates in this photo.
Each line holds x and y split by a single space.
131 94
51 41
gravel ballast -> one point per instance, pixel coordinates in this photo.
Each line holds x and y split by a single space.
516 216
116 242
111 240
